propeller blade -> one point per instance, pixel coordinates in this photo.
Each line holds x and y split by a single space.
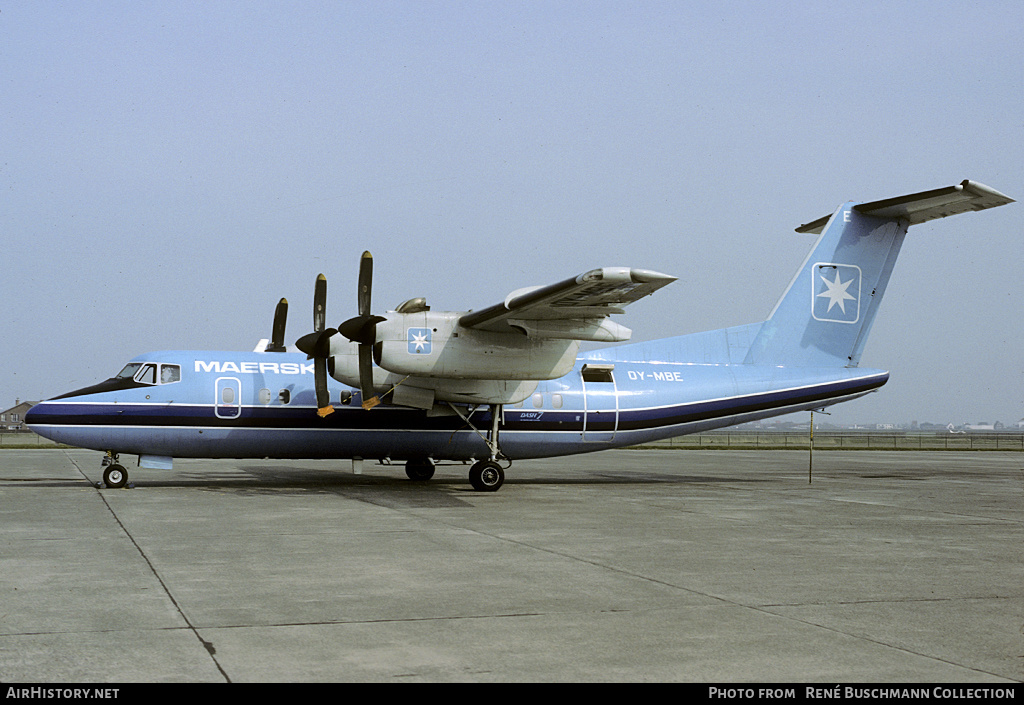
317 345
365 283
280 320
323 396
320 303
370 400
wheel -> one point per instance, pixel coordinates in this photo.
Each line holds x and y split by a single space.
486 476
419 470
115 476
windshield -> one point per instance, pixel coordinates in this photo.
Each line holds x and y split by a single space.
129 370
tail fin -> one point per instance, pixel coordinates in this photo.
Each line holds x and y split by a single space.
825 316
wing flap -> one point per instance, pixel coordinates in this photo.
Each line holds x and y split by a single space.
591 296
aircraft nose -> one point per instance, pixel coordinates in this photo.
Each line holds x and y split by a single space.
35 414
34 417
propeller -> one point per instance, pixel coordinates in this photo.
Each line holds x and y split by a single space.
280 319
362 329
317 345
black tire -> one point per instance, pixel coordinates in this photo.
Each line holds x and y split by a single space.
486 476
419 470
115 476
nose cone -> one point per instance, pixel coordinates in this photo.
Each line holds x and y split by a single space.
36 420
38 415
69 424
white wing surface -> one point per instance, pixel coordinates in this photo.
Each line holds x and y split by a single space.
575 309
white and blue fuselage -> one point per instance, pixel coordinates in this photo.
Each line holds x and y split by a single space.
245 405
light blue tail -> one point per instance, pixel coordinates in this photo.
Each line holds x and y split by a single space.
825 315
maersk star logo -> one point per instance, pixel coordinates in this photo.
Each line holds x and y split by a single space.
419 341
835 292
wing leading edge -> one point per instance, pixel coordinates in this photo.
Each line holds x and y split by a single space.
576 309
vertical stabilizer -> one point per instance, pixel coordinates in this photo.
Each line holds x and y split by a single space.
825 316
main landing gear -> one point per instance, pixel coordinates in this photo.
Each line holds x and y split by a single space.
487 475
484 475
420 470
114 474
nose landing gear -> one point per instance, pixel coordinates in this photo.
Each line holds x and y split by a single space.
114 474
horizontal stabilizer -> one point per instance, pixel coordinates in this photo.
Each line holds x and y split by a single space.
927 205
825 316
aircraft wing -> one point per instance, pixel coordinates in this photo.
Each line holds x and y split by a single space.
576 309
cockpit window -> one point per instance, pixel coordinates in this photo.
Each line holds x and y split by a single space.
133 376
147 375
170 374
129 370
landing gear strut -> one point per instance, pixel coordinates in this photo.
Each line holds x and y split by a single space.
487 475
114 474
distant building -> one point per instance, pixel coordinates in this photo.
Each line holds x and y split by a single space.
13 419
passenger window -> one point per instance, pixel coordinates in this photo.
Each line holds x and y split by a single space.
346 397
228 395
538 401
169 374
264 396
147 375
284 396
556 401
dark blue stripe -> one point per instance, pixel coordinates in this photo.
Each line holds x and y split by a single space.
400 418
658 417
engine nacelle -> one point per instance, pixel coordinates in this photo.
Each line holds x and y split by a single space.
428 344
423 392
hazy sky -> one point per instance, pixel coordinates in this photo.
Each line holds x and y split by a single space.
170 170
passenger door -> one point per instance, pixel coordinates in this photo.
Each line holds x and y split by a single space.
228 400
600 403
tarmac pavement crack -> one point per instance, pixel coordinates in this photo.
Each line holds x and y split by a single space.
763 609
570 556
208 646
872 640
